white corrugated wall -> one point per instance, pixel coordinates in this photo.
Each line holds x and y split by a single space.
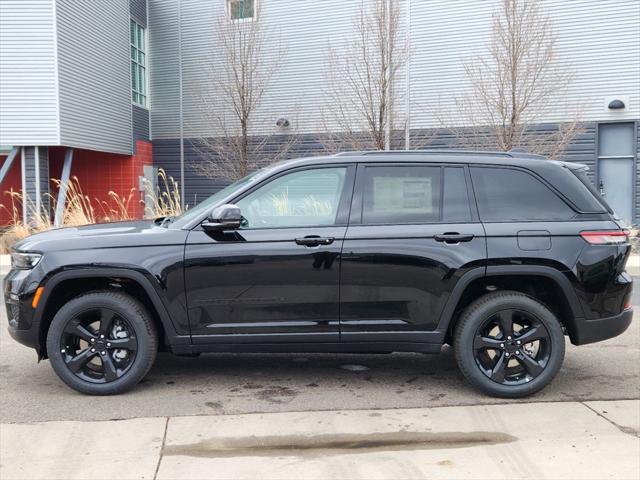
28 99
599 40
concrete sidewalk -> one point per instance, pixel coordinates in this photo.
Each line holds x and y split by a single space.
591 440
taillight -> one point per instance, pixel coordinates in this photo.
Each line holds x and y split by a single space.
606 237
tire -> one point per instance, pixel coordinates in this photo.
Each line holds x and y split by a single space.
102 343
492 360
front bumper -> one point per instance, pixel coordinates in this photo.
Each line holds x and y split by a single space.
19 289
590 331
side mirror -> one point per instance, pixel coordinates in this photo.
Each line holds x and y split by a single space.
224 217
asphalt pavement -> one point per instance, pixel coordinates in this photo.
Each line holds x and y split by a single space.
216 384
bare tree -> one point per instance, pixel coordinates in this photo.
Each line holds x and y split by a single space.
240 69
516 83
360 81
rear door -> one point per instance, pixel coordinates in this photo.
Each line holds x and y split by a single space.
412 234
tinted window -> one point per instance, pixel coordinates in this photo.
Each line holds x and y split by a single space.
507 194
455 200
401 195
303 198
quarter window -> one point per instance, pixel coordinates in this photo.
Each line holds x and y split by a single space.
513 195
303 198
241 9
138 64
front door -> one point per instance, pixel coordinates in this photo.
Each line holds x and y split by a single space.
412 235
276 279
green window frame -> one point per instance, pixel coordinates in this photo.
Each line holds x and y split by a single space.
138 40
241 10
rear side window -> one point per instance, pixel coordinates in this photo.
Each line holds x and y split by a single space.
455 200
415 194
394 195
514 195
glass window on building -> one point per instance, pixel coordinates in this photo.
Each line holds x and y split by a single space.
138 64
241 9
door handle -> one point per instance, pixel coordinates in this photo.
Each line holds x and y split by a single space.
314 241
453 237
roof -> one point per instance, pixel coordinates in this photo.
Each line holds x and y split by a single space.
527 160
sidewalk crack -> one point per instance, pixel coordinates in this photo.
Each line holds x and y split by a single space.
623 429
164 440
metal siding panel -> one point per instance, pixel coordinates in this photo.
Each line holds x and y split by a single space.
28 99
140 117
138 10
599 40
164 65
94 75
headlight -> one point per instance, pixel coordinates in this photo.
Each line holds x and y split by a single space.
24 261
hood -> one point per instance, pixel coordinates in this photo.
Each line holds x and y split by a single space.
104 235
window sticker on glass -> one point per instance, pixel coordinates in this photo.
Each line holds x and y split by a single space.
401 193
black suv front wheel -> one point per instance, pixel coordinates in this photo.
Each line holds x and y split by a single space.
102 343
508 344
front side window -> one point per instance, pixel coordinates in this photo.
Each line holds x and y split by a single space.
303 198
138 64
241 9
396 195
514 195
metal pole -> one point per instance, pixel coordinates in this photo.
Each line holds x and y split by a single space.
181 110
407 93
64 184
387 133
6 166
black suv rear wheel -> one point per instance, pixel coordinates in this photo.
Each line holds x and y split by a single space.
102 343
508 344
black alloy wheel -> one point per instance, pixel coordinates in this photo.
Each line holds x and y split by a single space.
102 343
512 347
98 345
508 344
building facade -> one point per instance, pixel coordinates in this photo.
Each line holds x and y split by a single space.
113 89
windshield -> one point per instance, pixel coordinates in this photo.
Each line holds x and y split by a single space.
206 205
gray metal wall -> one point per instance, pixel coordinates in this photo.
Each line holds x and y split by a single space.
166 154
94 75
138 11
140 119
35 181
165 85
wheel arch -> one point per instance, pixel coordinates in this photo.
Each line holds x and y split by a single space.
65 285
546 284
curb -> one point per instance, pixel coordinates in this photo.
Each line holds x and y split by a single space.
563 440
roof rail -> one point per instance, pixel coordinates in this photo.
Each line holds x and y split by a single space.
510 154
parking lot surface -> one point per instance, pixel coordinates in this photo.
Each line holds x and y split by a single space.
250 383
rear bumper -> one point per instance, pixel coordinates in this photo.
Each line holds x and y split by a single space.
590 331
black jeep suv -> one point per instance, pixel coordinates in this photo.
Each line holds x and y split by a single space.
498 254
